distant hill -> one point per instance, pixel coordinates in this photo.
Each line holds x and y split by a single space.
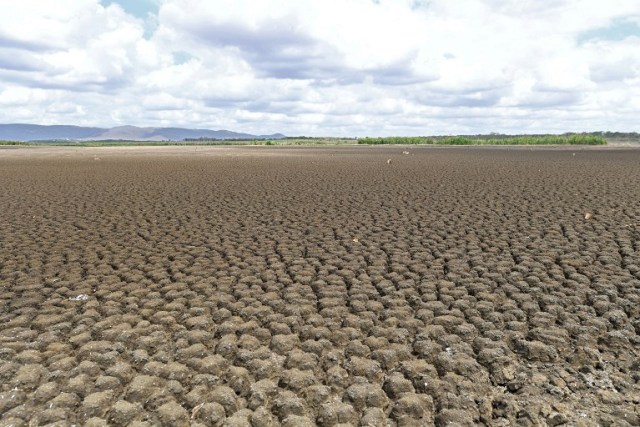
29 132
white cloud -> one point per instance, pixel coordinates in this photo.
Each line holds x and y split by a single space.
324 67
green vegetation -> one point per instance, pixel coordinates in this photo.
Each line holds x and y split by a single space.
13 143
307 141
595 138
566 139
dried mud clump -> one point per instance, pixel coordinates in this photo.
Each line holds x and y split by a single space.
303 287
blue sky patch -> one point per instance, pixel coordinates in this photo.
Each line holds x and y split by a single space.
181 57
137 8
146 10
618 29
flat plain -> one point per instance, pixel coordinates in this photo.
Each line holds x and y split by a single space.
266 286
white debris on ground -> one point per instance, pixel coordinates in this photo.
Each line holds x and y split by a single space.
81 297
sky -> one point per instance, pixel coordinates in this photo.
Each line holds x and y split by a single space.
324 67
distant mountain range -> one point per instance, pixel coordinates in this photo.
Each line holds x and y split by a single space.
29 132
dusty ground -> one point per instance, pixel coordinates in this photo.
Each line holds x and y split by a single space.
295 286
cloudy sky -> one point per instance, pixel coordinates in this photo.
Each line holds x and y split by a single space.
324 67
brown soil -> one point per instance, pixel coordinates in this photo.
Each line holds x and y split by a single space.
302 286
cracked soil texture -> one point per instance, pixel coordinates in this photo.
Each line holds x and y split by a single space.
373 286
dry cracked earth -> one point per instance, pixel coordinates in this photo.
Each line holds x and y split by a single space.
332 287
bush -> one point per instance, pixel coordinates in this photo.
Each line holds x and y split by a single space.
566 139
13 143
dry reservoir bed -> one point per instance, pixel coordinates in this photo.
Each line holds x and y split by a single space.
300 286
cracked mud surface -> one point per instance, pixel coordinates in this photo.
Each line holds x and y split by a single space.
300 287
